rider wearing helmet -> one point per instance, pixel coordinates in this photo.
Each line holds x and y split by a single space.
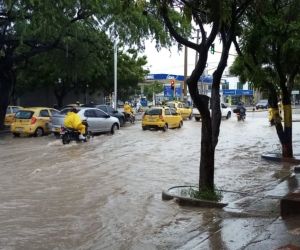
128 111
241 108
73 120
127 108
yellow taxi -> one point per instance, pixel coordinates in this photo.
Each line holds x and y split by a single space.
10 114
181 108
32 121
161 118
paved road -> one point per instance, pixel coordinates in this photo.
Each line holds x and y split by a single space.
106 194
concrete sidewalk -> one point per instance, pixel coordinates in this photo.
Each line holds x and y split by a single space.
253 221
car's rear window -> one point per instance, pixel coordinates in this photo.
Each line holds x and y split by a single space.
24 114
171 105
153 112
66 110
8 110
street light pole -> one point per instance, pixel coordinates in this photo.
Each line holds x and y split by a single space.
115 74
86 93
185 74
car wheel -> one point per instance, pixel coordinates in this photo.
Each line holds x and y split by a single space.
122 121
165 128
144 127
16 134
228 115
180 124
114 127
197 119
39 132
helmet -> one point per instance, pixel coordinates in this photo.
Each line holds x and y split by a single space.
74 110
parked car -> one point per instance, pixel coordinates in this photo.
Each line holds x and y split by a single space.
225 112
10 114
109 110
196 114
98 120
32 121
262 104
161 118
182 109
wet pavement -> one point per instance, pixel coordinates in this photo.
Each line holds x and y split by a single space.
106 194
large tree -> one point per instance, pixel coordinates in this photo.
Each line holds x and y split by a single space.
211 18
28 28
269 48
82 59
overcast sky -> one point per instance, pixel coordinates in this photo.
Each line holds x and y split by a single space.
172 62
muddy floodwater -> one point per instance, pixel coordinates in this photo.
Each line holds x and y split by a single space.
106 194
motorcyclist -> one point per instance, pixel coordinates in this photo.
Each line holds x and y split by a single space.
73 121
241 108
128 111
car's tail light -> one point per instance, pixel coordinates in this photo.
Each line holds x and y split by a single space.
33 120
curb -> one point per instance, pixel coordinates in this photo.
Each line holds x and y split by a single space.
278 158
188 201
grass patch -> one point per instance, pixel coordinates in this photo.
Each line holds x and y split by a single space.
204 194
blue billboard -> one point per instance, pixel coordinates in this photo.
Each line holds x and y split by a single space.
168 92
166 77
233 92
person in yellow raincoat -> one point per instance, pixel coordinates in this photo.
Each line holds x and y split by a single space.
73 120
127 108
128 111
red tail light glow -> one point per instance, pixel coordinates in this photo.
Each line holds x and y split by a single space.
33 120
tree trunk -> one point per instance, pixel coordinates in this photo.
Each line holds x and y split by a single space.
207 157
6 86
287 146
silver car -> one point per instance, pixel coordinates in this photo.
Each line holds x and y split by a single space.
98 120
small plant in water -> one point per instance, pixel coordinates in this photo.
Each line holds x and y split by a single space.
205 194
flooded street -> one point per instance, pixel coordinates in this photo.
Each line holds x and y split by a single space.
106 194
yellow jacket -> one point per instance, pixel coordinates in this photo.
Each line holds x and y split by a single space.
127 108
72 120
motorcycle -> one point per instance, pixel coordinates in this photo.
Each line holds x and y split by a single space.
241 117
69 134
129 117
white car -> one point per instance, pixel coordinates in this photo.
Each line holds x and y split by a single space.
225 110
97 119
196 114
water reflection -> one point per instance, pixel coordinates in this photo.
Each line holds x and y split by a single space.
106 194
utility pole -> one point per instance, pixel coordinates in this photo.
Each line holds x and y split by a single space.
115 74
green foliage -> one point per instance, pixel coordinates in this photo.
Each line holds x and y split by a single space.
153 88
270 45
